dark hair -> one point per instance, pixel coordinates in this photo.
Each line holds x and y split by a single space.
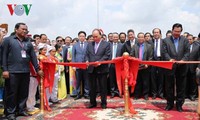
140 33
57 46
42 35
169 31
58 37
186 33
18 25
115 33
97 30
147 33
69 38
75 39
189 35
36 35
177 25
158 29
199 35
130 30
103 35
82 32
89 36
13 33
109 34
122 33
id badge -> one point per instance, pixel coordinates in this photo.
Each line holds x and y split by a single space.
23 54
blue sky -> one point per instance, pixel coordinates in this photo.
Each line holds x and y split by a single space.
68 17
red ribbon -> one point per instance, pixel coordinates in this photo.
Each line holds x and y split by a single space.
126 67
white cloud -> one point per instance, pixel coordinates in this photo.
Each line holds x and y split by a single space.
68 17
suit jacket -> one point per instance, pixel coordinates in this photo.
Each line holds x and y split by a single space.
153 47
78 54
127 46
103 54
169 52
119 51
169 49
147 54
64 55
194 56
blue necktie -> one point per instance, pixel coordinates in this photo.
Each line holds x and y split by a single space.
155 50
176 44
114 50
82 45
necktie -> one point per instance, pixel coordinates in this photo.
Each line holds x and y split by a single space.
190 48
114 50
96 47
176 44
156 49
82 45
140 52
132 44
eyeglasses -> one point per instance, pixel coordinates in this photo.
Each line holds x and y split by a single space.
59 40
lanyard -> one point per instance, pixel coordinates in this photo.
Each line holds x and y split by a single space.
21 44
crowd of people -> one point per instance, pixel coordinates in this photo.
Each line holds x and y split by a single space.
20 50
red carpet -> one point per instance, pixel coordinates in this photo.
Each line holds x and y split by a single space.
70 109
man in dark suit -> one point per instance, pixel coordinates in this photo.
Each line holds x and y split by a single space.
157 76
78 54
176 48
67 45
116 51
143 51
129 44
99 50
191 85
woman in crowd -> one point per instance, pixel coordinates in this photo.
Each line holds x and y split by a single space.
62 91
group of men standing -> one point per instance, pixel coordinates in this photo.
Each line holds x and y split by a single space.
17 52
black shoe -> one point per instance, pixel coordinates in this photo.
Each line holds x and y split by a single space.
192 98
179 108
120 96
55 102
112 96
87 97
24 114
161 97
168 107
98 94
135 98
103 106
91 106
146 97
11 117
154 97
78 97
73 96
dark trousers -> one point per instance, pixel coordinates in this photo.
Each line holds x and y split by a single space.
191 85
157 81
102 77
16 92
179 75
142 83
113 80
82 77
67 79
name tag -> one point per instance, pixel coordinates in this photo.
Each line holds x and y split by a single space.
23 54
